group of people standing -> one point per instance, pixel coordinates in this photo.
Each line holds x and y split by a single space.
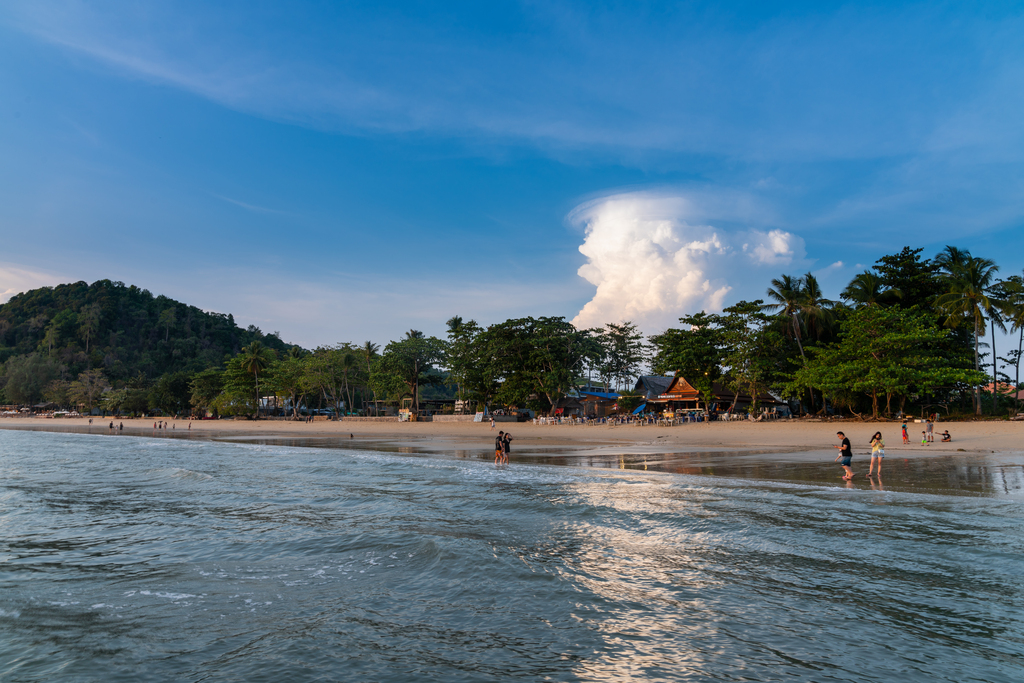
878 449
846 454
501 447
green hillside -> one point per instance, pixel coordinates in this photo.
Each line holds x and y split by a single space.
122 330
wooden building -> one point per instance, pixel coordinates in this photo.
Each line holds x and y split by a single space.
681 395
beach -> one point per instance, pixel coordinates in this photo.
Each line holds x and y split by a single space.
705 444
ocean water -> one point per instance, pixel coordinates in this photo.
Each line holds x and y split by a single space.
132 559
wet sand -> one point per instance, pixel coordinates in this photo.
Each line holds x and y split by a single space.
984 457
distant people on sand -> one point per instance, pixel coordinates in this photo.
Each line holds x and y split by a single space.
492 423
928 425
877 453
924 438
906 436
946 438
846 453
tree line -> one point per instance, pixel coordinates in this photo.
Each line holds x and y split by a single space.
909 330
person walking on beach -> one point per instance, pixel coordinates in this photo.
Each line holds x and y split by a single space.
906 436
499 447
504 448
492 423
924 438
877 453
928 425
846 453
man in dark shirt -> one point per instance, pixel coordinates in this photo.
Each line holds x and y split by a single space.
505 443
499 446
846 453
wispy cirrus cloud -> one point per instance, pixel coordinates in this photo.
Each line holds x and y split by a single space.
847 83
250 207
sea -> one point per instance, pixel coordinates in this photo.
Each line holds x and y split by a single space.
125 558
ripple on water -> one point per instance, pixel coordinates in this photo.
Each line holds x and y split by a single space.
160 559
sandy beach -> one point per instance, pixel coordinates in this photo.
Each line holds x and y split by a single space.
790 441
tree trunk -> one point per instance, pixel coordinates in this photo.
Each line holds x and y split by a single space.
874 404
1016 378
416 389
995 376
796 335
977 368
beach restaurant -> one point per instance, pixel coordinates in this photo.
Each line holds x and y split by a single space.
681 395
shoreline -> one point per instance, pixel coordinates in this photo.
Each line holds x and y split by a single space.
983 455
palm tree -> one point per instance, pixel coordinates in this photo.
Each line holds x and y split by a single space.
792 298
369 351
866 289
786 291
1012 294
951 258
967 281
256 359
814 307
993 309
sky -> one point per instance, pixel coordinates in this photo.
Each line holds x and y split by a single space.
349 171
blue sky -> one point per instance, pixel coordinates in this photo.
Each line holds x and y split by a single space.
347 172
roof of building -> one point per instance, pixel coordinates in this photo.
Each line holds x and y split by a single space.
653 385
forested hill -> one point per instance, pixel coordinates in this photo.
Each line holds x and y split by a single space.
120 329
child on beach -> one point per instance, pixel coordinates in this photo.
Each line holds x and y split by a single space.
924 439
877 453
946 438
906 436
846 453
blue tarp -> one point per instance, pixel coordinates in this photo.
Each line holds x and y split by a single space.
599 394
639 408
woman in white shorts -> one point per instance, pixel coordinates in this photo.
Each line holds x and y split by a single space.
877 452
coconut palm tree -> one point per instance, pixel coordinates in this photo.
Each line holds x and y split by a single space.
369 351
794 298
815 309
787 291
994 309
866 289
967 280
255 359
1012 294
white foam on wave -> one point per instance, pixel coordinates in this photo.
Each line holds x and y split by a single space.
13 614
169 596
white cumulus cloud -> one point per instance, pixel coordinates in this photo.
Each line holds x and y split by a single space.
656 257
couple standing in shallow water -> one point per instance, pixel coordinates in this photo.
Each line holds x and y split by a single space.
846 453
501 447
